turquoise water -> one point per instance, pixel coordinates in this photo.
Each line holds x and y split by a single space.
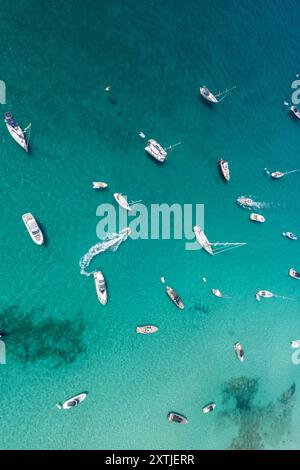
56 60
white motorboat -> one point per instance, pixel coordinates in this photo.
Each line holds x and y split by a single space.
224 169
277 174
239 351
257 217
100 285
296 111
16 131
177 418
175 297
290 235
33 228
99 185
246 201
217 293
265 294
156 151
142 135
295 343
203 240
209 408
71 402
146 329
293 273
122 201
208 95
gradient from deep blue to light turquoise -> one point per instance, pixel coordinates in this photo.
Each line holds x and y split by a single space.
56 59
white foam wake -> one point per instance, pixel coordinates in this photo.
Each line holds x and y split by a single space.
111 242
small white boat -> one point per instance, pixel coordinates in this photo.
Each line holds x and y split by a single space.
295 111
204 279
246 201
239 351
177 418
224 169
217 293
295 343
202 239
175 297
265 294
100 285
257 218
293 273
107 88
122 201
146 329
71 402
99 185
257 296
208 95
209 408
33 228
16 131
142 135
156 151
277 174
290 235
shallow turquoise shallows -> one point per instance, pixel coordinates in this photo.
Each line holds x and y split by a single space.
56 60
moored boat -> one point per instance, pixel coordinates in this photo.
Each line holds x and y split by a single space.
146 329
293 273
290 235
208 95
71 402
177 418
217 293
202 239
175 297
295 343
33 228
16 131
224 169
257 217
265 293
296 111
246 201
100 285
209 408
156 151
277 174
122 201
239 351
99 185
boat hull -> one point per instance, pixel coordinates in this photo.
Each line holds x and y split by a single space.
33 229
146 329
100 286
224 167
203 240
122 201
207 95
175 298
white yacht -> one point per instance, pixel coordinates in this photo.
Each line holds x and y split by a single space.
209 408
208 95
33 228
175 297
246 201
100 285
290 235
239 351
16 131
156 151
293 273
295 344
295 111
202 239
71 402
217 292
265 294
177 418
257 218
122 201
277 174
99 185
225 169
146 329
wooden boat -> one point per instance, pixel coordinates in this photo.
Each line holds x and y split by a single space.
99 185
203 240
209 408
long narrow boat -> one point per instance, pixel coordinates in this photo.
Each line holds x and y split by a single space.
71 402
209 408
203 240
99 185
100 285
146 329
175 297
177 418
122 201
33 228
208 95
224 169
16 131
239 350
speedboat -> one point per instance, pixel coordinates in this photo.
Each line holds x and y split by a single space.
239 351
209 408
295 343
175 297
202 239
217 293
208 95
290 235
33 228
265 293
122 201
224 169
177 418
277 174
295 111
71 402
99 185
257 217
293 273
16 131
156 151
146 329
245 201
100 287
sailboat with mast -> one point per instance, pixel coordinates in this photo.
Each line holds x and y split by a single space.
17 133
209 96
221 247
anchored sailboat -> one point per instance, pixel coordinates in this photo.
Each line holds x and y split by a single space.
209 96
16 131
208 246
279 174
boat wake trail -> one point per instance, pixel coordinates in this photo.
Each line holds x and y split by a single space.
111 242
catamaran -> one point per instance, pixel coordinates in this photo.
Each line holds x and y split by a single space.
207 246
209 96
99 185
293 273
224 169
239 350
100 285
33 228
296 111
177 418
16 131
146 329
71 402
175 297
257 217
156 151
